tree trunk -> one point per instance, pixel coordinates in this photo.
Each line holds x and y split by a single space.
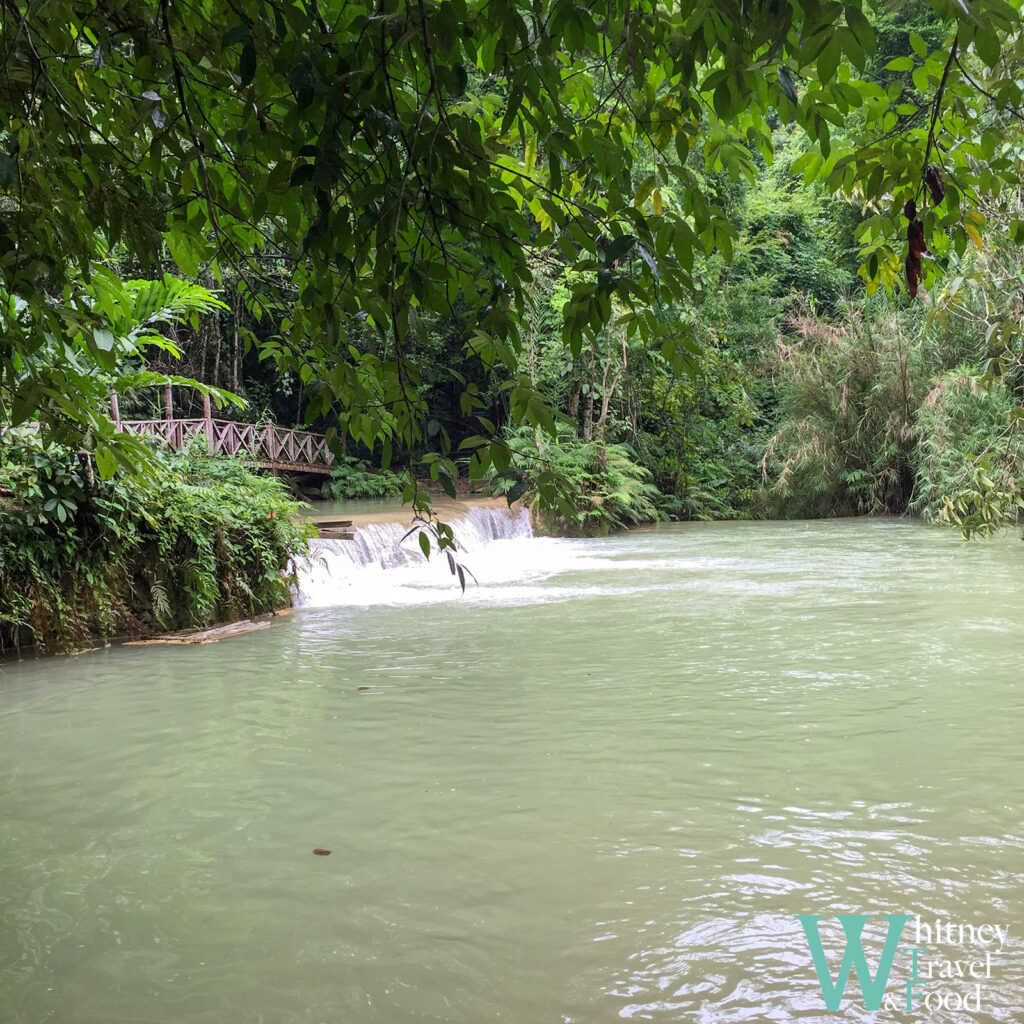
574 397
608 389
215 377
208 422
588 418
204 345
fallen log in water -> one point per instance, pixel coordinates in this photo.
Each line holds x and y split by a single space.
205 636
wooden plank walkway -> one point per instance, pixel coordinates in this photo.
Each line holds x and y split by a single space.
261 444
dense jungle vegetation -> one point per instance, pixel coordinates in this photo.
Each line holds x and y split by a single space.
203 540
629 261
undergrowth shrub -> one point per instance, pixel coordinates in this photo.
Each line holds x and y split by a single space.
848 396
594 487
353 478
964 425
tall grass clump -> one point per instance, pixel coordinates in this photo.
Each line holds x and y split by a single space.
963 426
849 390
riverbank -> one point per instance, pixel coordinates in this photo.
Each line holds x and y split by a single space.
192 543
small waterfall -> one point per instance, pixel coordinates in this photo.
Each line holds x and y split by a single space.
378 562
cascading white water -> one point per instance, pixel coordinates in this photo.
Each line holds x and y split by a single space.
383 564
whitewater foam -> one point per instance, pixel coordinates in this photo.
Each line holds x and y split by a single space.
384 563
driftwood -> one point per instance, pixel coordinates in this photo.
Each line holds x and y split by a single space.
205 636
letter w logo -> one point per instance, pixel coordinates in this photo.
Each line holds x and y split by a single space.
853 924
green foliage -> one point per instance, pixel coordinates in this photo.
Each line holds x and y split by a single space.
595 487
968 454
387 160
198 540
697 431
848 395
984 506
798 237
353 478
58 364
438 221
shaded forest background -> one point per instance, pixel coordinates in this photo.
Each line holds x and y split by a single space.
801 394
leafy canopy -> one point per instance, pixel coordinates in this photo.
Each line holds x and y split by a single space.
411 154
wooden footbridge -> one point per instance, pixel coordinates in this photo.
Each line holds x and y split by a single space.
260 444
264 445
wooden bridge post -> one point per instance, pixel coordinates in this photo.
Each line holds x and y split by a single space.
168 403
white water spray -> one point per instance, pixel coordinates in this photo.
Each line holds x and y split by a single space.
379 566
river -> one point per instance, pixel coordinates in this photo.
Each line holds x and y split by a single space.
596 787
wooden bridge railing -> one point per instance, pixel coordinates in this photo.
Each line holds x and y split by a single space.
265 444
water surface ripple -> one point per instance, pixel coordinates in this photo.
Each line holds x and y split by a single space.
597 787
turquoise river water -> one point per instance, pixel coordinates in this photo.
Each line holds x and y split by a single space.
597 787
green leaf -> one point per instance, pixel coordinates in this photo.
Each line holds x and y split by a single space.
234 35
103 339
786 81
515 100
861 28
106 462
828 61
187 250
247 63
986 44
618 247
447 482
644 190
516 492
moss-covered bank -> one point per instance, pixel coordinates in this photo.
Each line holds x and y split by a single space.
190 542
